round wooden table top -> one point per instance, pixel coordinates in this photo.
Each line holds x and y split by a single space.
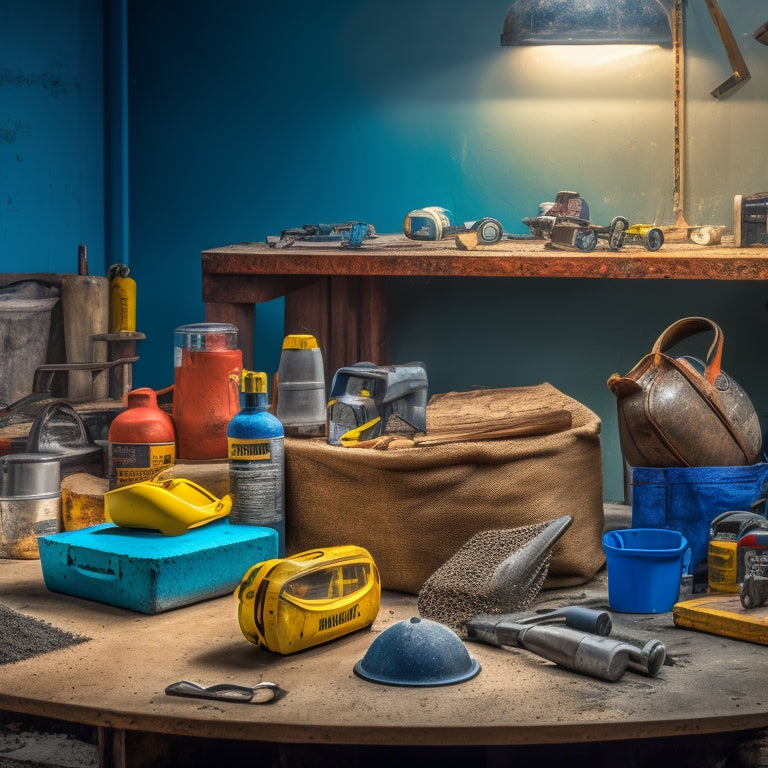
117 679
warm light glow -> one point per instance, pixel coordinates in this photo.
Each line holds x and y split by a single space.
582 56
586 71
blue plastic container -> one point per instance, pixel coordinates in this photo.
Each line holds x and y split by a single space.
148 572
645 566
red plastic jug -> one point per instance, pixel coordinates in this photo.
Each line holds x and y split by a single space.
141 440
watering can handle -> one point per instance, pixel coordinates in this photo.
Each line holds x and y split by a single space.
58 408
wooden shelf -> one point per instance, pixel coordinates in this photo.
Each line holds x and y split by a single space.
339 294
526 258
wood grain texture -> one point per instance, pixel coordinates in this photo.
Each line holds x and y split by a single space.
677 261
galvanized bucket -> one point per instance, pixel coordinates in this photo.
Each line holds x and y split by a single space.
30 502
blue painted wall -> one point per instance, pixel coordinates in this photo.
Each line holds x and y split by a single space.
246 120
241 119
51 135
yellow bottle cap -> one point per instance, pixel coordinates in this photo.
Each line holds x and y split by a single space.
300 341
253 382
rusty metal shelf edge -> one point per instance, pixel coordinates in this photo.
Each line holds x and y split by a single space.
678 262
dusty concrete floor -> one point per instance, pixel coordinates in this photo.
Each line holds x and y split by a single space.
27 742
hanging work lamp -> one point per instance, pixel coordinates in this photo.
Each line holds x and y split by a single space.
587 22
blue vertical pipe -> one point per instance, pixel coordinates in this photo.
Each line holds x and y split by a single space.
116 183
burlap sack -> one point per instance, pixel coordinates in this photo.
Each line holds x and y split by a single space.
412 509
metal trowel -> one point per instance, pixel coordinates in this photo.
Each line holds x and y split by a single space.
495 572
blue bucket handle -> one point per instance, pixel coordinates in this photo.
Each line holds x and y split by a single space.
687 559
614 539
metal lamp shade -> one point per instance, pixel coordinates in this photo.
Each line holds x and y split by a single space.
587 22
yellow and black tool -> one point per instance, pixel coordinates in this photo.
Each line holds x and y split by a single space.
292 603
650 237
722 551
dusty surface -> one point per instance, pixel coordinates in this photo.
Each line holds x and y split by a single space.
118 679
22 637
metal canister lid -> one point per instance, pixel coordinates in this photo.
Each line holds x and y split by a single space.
206 337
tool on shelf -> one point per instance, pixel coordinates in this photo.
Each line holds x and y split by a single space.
565 224
437 223
650 237
750 214
350 234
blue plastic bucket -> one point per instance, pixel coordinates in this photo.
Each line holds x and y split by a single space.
645 566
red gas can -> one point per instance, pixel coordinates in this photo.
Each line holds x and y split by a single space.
142 441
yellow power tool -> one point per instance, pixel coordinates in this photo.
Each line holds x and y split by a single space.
292 603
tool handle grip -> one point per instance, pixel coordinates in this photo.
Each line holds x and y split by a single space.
588 619
593 655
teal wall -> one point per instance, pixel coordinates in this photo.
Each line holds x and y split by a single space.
230 121
52 174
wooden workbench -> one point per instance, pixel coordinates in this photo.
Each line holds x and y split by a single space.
116 681
339 294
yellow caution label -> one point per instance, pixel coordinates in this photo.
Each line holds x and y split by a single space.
137 462
249 450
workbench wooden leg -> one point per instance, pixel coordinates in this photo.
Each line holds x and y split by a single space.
347 316
241 315
111 748
374 319
119 748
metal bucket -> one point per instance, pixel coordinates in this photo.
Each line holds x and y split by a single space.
30 502
25 324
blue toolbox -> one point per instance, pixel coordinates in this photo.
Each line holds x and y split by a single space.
149 572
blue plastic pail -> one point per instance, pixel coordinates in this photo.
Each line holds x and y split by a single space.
644 568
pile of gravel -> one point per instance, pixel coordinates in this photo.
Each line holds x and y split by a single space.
22 636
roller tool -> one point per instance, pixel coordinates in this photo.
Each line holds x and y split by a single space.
649 237
573 637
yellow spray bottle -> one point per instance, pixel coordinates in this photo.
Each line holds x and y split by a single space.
122 299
